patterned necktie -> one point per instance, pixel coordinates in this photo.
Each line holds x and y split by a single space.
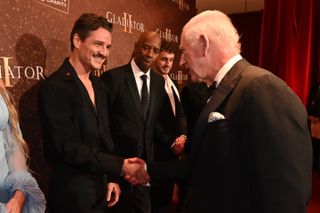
144 96
169 90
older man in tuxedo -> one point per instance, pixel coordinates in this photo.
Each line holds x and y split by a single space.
251 148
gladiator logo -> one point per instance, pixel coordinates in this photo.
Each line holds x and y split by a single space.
183 5
167 35
126 21
179 76
7 72
59 5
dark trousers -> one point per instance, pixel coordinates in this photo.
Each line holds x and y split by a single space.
182 193
133 199
161 198
316 154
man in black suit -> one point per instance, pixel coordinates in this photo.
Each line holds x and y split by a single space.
193 99
170 136
135 96
251 149
313 107
73 109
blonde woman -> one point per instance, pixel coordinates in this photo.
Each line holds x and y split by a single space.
19 191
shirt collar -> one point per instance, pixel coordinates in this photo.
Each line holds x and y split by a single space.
226 67
137 71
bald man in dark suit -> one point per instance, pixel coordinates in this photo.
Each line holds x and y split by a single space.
133 124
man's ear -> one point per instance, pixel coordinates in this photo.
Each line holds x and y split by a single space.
204 45
76 40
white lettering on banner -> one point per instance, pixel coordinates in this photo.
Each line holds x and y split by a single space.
179 76
59 5
167 35
8 72
182 4
125 21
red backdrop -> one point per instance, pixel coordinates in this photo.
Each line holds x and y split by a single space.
289 42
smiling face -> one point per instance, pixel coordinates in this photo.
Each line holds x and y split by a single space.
94 49
164 62
146 50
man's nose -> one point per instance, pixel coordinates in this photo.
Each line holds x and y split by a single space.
150 53
182 61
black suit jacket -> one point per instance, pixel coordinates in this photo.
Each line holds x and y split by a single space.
313 105
133 137
193 99
257 159
169 127
77 142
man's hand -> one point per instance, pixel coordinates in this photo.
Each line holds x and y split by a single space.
16 203
134 171
179 144
113 194
315 127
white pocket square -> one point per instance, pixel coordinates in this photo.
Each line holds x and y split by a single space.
215 116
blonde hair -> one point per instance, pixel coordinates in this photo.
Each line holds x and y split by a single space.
14 121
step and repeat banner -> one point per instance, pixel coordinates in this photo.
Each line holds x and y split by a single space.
34 40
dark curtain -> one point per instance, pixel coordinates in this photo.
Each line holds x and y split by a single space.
290 42
249 28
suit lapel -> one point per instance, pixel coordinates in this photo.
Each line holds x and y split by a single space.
225 87
86 94
154 87
69 74
97 95
201 92
177 103
101 110
133 89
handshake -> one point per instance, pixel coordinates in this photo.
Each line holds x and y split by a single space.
134 171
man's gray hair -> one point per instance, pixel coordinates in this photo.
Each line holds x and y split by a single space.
217 27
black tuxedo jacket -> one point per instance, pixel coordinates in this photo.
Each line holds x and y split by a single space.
133 137
193 99
77 142
257 159
169 127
